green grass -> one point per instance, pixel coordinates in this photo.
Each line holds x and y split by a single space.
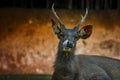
24 77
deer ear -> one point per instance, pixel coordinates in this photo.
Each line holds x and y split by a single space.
56 29
85 32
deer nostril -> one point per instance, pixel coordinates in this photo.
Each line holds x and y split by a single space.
68 43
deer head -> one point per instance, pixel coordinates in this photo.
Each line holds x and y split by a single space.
68 37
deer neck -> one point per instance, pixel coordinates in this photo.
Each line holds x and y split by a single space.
63 61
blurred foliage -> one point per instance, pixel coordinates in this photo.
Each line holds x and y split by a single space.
24 77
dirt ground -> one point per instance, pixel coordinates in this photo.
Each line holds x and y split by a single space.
29 45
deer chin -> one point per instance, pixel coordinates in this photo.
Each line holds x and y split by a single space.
67 49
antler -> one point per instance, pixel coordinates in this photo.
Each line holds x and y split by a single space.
61 23
83 19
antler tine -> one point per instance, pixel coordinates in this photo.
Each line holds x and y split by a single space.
61 23
82 20
84 17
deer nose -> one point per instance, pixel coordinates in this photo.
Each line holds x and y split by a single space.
68 43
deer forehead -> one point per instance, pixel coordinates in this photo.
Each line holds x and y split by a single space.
69 32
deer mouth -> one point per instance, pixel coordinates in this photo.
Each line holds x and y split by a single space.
67 49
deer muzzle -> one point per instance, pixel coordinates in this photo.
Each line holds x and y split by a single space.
67 46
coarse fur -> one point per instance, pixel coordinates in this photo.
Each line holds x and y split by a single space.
69 66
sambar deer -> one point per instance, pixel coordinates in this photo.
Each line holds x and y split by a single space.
69 66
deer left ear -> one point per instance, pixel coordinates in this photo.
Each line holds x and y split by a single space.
85 32
56 29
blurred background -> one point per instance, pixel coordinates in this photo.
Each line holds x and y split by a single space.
29 45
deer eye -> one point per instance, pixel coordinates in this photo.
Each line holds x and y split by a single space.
76 37
61 35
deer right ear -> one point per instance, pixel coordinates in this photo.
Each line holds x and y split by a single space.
56 29
85 32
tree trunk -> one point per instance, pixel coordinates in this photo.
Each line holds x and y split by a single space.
118 4
106 5
70 4
110 4
47 3
92 4
14 3
87 3
31 4
97 4
101 4
82 4
22 3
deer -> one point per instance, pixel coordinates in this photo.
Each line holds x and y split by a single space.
70 66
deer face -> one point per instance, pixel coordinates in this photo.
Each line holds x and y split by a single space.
68 37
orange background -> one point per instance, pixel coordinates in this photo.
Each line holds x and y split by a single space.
29 45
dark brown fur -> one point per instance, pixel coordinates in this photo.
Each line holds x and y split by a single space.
80 67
